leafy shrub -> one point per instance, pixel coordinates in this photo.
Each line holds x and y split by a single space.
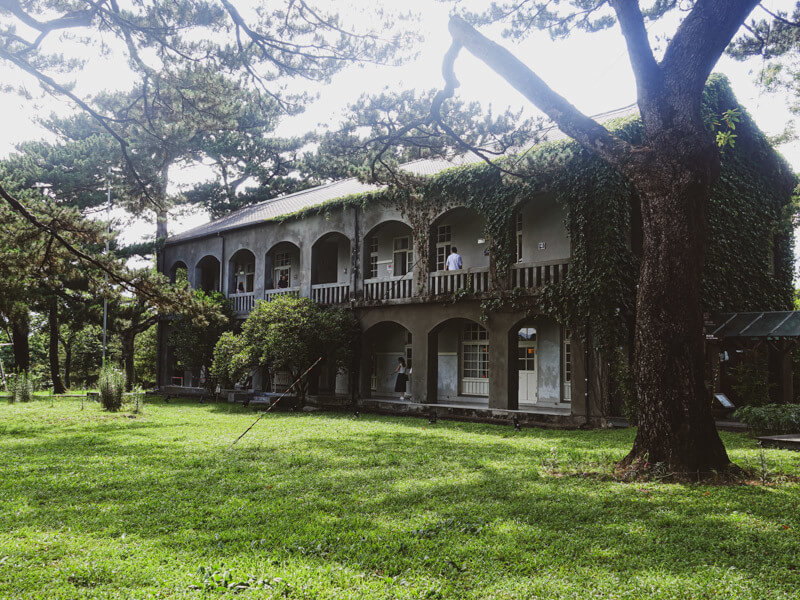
752 381
771 418
112 386
20 388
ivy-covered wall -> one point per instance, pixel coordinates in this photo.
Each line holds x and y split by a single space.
749 264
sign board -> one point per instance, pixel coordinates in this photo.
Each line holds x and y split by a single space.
723 400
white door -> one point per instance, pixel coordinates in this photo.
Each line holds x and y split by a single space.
526 359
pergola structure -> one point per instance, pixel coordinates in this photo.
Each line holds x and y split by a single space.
776 332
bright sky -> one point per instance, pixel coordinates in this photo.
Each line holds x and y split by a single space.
590 70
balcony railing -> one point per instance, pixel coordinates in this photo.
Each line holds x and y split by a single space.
475 279
289 291
389 288
330 293
243 302
535 275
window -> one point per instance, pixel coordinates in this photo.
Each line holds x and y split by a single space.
526 349
244 274
283 266
403 255
443 244
476 352
372 264
519 236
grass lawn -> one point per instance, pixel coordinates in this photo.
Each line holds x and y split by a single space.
320 505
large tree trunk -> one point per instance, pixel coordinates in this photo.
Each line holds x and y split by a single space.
68 365
676 426
20 329
55 369
128 347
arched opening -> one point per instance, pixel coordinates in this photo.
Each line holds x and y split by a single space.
543 365
206 274
282 270
458 254
541 243
330 269
459 349
388 261
384 344
179 272
242 272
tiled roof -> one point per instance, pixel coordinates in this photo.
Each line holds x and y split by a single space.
291 203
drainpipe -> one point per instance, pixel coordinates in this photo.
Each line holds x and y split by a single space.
222 265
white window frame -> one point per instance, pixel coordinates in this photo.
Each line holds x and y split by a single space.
444 242
398 252
372 262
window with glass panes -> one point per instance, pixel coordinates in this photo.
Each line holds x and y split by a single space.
403 255
409 353
475 363
245 274
283 266
443 245
372 249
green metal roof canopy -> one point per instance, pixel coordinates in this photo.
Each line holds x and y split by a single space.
769 325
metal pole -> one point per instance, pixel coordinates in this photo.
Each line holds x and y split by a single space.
108 230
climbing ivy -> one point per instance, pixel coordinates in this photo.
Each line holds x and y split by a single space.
749 262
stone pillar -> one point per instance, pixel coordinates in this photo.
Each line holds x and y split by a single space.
305 273
420 268
425 374
501 355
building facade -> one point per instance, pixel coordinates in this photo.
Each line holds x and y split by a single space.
367 256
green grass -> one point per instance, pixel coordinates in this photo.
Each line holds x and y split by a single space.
320 505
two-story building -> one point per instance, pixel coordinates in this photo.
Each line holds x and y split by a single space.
478 339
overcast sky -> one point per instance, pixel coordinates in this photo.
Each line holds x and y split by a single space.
591 70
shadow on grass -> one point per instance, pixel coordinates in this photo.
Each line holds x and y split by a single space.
384 495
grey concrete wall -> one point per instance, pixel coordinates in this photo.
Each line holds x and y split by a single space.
466 227
386 234
543 221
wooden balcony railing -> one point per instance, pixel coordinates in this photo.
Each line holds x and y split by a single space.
475 279
330 293
535 275
243 302
289 291
389 288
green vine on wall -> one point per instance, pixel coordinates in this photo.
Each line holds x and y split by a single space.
749 263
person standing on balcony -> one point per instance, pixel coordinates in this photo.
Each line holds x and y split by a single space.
402 377
283 282
240 289
454 262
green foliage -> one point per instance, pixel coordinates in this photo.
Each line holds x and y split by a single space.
231 363
145 357
324 506
771 418
751 380
20 387
194 336
112 386
286 334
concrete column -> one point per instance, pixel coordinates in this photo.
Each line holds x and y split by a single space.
364 369
501 355
420 268
305 273
425 374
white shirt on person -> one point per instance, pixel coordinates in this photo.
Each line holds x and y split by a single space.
454 262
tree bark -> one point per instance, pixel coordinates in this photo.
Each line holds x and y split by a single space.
55 369
68 365
128 347
20 330
676 426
